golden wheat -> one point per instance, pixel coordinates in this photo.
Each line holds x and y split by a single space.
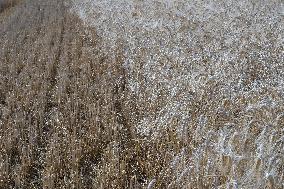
106 104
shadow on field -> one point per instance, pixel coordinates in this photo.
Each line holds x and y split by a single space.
6 4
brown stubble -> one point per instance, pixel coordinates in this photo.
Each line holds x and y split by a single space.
68 117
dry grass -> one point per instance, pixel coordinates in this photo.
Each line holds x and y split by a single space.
81 110
6 4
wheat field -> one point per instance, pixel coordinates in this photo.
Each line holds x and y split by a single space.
141 94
